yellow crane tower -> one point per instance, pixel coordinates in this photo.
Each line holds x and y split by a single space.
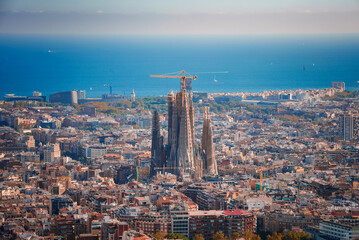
183 77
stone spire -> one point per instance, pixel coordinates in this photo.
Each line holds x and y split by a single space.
210 165
171 101
157 144
185 142
191 116
198 162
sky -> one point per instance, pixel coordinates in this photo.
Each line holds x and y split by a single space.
152 17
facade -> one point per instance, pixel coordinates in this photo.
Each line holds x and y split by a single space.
338 85
208 223
151 224
56 203
278 222
30 142
342 229
52 152
182 155
349 126
180 222
13 97
113 230
125 174
81 95
29 156
96 151
355 119
90 110
67 97
48 155
110 98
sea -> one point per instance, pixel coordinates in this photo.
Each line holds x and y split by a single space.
233 63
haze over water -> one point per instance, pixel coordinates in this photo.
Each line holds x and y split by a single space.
254 63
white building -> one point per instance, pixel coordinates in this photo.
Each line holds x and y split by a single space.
180 222
343 229
52 152
258 203
95 151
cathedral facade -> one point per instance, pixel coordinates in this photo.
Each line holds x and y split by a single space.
182 155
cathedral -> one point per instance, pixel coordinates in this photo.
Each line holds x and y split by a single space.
182 155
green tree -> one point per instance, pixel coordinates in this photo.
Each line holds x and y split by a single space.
176 236
159 235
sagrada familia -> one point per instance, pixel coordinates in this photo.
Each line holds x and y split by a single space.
182 155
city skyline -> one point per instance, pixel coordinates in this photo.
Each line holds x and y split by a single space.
103 138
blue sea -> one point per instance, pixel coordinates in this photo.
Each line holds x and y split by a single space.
52 63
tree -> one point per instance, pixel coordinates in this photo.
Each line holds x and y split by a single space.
235 236
275 236
297 236
289 236
198 237
219 236
251 236
159 235
176 236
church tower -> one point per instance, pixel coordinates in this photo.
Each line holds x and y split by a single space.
210 163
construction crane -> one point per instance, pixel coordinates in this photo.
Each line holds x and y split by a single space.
183 77
261 173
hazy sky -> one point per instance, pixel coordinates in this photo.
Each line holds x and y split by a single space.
179 16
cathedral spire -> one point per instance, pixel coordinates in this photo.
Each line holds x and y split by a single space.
157 144
210 165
